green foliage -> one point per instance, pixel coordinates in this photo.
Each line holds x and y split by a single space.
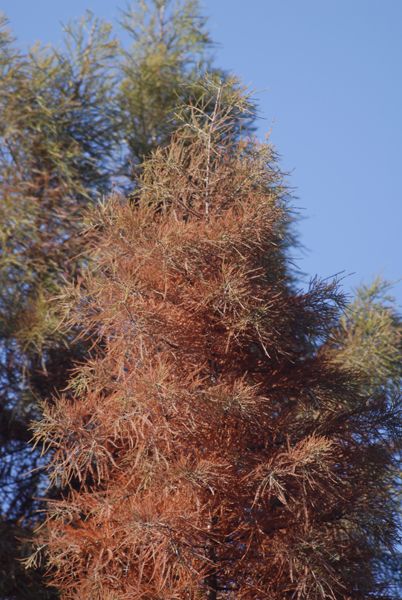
56 137
167 55
369 338
367 342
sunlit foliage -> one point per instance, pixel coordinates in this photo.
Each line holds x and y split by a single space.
74 121
221 441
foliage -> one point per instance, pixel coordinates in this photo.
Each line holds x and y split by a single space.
369 337
168 53
67 134
368 341
215 445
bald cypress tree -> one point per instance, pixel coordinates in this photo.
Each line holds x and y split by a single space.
218 443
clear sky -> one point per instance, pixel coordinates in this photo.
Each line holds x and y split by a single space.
329 79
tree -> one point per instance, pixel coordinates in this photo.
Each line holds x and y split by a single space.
74 122
56 137
368 342
214 445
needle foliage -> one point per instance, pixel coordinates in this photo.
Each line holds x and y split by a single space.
75 121
229 436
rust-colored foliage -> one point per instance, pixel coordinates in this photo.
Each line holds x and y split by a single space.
211 448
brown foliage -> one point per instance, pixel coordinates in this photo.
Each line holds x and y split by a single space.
209 448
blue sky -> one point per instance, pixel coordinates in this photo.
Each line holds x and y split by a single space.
328 78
